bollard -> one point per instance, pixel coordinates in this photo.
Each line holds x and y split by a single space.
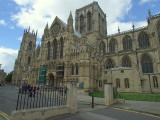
92 100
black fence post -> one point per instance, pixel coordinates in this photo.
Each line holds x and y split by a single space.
92 100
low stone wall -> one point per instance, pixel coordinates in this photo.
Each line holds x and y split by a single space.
39 113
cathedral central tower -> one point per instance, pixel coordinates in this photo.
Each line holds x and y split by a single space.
91 19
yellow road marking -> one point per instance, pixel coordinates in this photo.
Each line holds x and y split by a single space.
136 112
5 115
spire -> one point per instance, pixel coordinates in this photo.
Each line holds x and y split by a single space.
133 26
36 33
29 29
118 30
149 13
70 23
46 26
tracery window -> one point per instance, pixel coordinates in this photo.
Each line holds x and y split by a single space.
29 60
61 47
49 50
127 43
77 68
89 21
30 45
158 30
118 83
126 62
100 83
112 45
146 63
126 82
72 69
55 49
143 40
102 47
81 24
155 82
109 63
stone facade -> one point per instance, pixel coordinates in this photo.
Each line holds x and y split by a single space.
130 59
2 75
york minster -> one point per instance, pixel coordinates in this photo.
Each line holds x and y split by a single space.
83 51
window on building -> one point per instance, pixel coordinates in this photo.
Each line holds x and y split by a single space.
72 69
102 48
77 68
155 81
29 60
127 43
109 63
55 45
146 63
112 45
49 50
126 82
143 40
81 24
61 47
89 21
30 45
100 83
118 83
126 62
158 30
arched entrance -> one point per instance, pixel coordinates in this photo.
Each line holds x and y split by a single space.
51 80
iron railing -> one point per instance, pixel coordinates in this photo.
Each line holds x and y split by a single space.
37 97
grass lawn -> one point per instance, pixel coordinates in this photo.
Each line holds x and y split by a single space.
133 96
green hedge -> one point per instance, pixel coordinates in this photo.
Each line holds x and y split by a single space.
132 96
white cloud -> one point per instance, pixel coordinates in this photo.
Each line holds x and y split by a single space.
124 26
2 22
145 1
36 13
7 58
20 38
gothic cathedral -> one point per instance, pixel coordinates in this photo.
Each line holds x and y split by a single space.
130 60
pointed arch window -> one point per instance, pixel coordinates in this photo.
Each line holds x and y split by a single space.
77 68
146 63
126 82
127 43
126 62
72 69
81 24
118 83
110 63
29 60
30 45
61 47
55 49
158 30
102 48
155 82
143 40
49 50
89 21
112 45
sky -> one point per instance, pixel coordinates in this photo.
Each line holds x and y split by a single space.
17 15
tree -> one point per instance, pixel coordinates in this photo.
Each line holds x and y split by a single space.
9 77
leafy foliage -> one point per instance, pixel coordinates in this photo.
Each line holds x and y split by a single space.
9 77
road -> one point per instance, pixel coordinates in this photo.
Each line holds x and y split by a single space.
8 98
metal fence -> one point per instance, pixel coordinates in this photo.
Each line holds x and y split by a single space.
38 97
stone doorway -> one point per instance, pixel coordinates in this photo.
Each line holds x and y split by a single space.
51 80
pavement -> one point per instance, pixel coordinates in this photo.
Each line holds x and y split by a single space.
140 106
130 110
